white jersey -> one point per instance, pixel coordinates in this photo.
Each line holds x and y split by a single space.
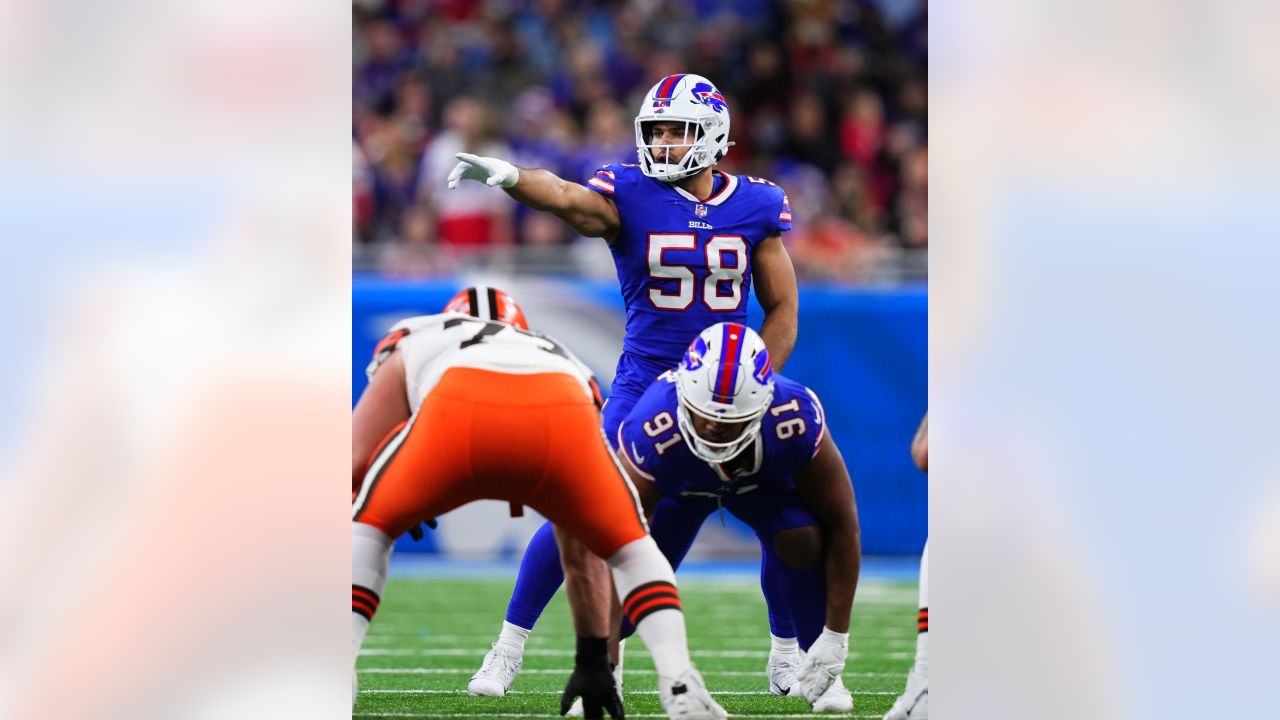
431 344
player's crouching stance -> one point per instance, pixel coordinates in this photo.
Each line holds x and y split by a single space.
477 407
724 431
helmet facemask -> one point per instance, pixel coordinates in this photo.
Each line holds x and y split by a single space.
700 154
719 452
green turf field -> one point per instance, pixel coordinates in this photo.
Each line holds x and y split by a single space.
430 635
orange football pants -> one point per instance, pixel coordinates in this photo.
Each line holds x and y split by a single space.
531 440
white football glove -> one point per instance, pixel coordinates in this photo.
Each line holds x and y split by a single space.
490 171
822 664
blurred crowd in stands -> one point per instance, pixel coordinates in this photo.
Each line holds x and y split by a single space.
828 99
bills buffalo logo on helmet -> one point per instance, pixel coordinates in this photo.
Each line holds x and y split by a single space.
710 97
763 367
693 358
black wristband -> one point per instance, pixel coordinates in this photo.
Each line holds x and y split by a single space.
592 652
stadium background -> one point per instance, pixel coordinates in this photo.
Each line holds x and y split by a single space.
829 99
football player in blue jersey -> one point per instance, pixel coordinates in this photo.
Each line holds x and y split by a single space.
689 242
723 431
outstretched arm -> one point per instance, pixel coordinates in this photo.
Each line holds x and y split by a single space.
824 484
588 213
775 281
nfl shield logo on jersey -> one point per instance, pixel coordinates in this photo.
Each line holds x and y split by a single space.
700 210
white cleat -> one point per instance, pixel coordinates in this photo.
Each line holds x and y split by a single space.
781 670
836 700
914 703
355 688
496 674
686 698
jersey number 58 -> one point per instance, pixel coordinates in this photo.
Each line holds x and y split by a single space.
726 257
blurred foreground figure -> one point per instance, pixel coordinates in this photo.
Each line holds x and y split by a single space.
474 406
913 704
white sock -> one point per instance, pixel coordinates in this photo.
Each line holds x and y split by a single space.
359 627
782 646
513 638
370 555
663 633
646 587
922 639
617 669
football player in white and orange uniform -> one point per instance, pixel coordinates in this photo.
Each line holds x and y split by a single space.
495 411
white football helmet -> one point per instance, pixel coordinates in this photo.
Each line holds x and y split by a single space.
725 376
694 101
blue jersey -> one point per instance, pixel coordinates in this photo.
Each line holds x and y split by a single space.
791 434
684 263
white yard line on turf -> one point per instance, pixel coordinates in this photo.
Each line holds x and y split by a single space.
566 671
761 693
741 636
753 716
479 653
873 607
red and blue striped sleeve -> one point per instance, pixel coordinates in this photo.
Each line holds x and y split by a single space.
605 181
783 220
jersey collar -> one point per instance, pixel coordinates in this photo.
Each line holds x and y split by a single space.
758 452
730 184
